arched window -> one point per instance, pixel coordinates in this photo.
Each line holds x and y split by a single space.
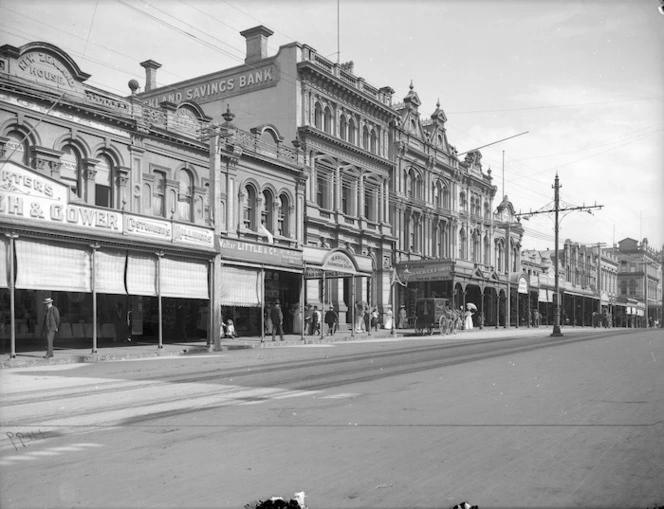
283 216
347 188
71 170
515 259
318 116
17 149
487 251
323 189
446 247
158 194
438 195
327 120
464 202
487 210
500 257
370 201
412 184
185 195
411 233
463 245
248 200
266 212
476 247
365 138
104 196
352 132
446 197
343 128
373 142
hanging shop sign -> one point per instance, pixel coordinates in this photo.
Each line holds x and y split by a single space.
523 285
265 254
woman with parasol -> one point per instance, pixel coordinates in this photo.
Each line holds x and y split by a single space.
470 309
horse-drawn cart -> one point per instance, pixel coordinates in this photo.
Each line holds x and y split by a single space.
431 315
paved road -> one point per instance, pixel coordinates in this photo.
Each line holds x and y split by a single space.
525 422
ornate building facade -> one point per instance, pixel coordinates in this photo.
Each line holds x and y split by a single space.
122 212
341 126
454 241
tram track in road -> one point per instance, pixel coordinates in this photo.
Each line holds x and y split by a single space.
218 375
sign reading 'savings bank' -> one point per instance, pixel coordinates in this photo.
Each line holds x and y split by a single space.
214 88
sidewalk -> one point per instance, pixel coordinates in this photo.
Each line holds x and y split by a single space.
34 355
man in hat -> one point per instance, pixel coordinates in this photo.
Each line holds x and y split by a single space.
50 325
331 320
277 316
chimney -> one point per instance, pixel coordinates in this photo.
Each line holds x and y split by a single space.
150 74
256 43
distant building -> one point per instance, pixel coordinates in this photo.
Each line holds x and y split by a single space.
639 283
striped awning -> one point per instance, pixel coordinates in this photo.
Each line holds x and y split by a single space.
240 287
110 272
184 279
44 265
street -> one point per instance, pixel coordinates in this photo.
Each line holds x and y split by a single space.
529 421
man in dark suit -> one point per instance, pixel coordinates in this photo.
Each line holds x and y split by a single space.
277 316
50 325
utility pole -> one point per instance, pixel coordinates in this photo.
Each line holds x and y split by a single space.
556 210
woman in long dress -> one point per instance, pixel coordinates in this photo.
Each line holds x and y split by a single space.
469 320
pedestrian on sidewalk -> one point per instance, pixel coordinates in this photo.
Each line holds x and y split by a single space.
50 325
331 320
277 316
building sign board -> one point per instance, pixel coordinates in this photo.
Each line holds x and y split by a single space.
26 195
238 250
221 86
339 262
426 272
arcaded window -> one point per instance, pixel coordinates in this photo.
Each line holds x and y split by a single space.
71 170
352 132
283 216
16 148
248 200
104 195
463 245
327 120
185 195
158 194
323 187
475 255
266 211
318 116
373 142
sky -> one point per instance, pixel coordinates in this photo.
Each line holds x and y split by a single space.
583 79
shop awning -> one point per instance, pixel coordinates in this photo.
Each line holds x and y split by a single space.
110 272
44 265
185 279
240 287
4 262
142 274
